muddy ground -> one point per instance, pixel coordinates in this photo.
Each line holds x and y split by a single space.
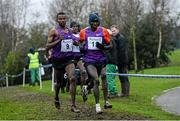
36 106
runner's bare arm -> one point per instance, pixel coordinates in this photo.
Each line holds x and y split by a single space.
51 35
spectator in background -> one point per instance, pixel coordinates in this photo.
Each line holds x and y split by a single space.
118 55
111 67
33 64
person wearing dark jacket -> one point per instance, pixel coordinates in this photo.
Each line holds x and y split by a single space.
118 55
111 68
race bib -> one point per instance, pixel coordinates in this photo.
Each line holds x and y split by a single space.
92 42
66 45
76 48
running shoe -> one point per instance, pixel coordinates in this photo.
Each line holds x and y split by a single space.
84 92
107 105
98 109
57 103
74 109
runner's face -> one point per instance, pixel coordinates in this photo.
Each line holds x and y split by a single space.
94 24
62 20
75 29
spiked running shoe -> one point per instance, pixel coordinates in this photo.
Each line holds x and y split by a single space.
107 105
84 92
57 104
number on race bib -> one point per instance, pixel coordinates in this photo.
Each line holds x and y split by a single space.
92 42
76 48
66 45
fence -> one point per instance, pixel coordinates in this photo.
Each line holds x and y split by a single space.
52 80
7 76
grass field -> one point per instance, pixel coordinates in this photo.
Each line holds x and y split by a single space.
175 57
31 103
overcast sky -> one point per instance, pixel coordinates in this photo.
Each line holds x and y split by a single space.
41 7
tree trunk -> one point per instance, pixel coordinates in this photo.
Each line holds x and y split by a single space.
160 40
134 48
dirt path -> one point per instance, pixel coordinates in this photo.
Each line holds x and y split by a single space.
32 106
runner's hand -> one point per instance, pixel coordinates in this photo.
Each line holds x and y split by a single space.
99 45
61 37
75 43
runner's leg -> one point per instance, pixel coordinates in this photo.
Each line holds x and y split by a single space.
70 68
92 71
105 88
58 77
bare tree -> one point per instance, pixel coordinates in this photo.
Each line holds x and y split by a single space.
13 18
131 13
18 20
12 24
76 9
123 13
161 12
160 8
111 12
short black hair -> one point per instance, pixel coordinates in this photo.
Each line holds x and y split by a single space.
73 23
60 13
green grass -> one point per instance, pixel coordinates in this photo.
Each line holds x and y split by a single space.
175 57
139 103
142 90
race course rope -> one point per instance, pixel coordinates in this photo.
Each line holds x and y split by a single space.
114 74
145 75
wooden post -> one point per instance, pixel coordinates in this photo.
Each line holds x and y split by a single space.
52 79
40 80
24 76
7 82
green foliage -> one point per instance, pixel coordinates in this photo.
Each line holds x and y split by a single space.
38 35
174 58
147 43
10 42
14 63
5 42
